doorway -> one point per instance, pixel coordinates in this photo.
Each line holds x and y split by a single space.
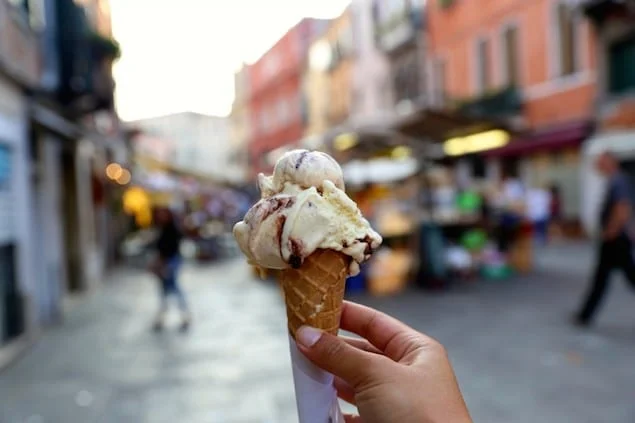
11 301
71 221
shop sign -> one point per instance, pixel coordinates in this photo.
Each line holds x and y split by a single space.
7 229
5 165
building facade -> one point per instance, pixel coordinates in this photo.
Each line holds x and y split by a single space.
488 59
317 93
371 95
76 134
240 124
56 99
339 37
277 104
19 290
400 35
201 143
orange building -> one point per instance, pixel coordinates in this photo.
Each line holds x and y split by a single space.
530 64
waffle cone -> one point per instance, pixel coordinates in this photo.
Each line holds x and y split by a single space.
314 293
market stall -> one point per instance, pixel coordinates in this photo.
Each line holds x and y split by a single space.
435 228
470 221
207 208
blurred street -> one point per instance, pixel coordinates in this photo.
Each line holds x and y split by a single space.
516 355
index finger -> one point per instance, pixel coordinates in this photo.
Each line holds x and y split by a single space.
386 333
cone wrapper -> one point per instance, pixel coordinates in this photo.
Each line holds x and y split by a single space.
315 394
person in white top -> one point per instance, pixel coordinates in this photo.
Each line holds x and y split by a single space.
511 204
538 212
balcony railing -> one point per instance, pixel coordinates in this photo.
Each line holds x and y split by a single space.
19 46
400 30
505 103
600 10
86 83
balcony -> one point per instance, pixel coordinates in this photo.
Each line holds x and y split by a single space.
19 46
599 11
504 103
85 61
445 4
342 49
398 31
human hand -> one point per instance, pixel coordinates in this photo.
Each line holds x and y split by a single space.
395 374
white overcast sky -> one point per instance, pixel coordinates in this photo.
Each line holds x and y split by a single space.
180 55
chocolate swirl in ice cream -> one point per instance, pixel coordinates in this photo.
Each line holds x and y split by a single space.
304 208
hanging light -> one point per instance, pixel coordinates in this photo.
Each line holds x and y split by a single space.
124 178
345 142
114 171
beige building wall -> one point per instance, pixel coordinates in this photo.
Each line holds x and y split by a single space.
316 87
239 123
340 37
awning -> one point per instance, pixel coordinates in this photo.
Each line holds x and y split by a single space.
358 172
420 129
554 138
438 126
620 142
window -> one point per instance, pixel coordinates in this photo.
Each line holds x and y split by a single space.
387 9
483 80
621 65
510 55
357 100
264 121
406 79
283 112
271 64
567 40
304 107
346 42
439 77
33 10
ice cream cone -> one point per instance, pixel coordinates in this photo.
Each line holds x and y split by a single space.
314 292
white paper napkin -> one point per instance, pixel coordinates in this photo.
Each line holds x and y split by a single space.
315 395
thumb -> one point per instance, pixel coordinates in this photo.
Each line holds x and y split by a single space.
336 356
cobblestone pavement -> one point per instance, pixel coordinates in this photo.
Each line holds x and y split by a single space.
516 356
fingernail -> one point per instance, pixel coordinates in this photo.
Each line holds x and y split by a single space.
308 336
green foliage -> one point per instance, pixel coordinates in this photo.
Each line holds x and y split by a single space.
446 3
105 46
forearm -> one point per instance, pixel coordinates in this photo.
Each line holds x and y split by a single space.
619 219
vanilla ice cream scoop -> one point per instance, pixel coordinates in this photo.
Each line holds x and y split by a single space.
302 168
301 211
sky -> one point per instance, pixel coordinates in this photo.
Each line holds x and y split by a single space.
180 55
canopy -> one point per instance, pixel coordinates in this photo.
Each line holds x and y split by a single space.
358 172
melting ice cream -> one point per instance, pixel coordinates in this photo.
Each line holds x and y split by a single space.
304 208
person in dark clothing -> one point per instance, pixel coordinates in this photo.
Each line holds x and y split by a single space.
167 266
555 207
616 247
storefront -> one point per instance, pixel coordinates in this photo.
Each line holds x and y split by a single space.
11 317
545 159
18 268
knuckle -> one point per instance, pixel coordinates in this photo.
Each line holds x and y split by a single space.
333 349
437 348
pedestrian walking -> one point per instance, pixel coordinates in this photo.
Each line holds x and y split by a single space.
615 250
167 266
